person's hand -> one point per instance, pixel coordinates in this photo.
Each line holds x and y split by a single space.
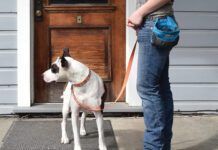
135 20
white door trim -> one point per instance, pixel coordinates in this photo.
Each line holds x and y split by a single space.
132 97
24 55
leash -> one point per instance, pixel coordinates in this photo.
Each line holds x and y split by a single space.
129 66
128 69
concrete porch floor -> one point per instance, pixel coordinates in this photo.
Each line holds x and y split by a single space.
190 132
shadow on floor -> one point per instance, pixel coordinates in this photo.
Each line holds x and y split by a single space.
129 139
133 140
208 144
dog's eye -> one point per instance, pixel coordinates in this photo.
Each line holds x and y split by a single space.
54 68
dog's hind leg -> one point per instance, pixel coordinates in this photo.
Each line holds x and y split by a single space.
65 111
99 121
82 124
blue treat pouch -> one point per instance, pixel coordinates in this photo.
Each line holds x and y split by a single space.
165 33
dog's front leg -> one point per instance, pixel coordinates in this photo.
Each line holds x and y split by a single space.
75 125
99 121
82 124
65 111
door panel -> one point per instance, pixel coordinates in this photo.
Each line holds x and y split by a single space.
78 1
87 45
88 19
94 34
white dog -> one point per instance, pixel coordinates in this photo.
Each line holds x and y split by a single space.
84 92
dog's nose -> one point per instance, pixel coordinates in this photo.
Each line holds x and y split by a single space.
44 77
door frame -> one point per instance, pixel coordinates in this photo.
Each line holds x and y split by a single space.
25 44
132 97
25 49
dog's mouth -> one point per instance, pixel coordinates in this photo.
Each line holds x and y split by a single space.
53 82
47 80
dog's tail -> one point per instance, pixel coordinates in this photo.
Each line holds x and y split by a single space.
103 98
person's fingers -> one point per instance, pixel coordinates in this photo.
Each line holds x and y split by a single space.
130 24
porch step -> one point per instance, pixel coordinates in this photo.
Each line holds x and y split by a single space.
7 109
57 108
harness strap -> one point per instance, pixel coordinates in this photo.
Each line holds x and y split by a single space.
84 106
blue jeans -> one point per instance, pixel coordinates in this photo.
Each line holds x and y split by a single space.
154 90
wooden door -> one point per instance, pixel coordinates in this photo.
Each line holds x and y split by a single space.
93 30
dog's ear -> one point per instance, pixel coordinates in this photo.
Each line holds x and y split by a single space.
66 52
64 62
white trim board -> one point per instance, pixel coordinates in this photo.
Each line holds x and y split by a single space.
132 97
24 46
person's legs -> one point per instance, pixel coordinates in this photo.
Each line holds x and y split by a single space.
151 65
168 105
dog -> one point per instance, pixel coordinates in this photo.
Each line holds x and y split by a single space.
83 92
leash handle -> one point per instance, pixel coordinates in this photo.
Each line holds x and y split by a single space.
127 73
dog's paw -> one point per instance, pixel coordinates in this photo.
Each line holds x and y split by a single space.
77 147
82 132
103 147
64 140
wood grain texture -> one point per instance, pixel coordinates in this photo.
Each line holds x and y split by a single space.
88 19
118 47
41 59
89 46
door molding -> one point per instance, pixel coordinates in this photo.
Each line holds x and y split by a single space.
132 97
24 53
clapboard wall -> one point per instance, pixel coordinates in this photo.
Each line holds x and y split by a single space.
194 63
8 52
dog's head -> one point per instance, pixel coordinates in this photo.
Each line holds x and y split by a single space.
58 68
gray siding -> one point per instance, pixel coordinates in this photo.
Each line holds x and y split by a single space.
196 5
8 6
8 52
194 62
